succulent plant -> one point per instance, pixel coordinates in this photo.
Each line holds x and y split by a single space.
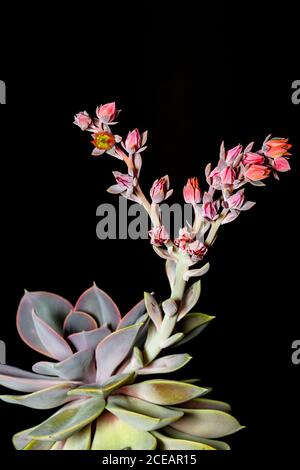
97 379
102 363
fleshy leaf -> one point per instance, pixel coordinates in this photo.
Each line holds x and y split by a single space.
114 434
168 443
54 344
209 424
140 414
97 303
89 339
81 440
51 308
23 381
71 418
115 382
75 322
196 272
133 315
22 441
153 310
166 364
204 403
163 392
80 366
43 399
59 445
192 325
113 350
218 445
190 299
174 339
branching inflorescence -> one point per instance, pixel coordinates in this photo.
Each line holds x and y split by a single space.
101 357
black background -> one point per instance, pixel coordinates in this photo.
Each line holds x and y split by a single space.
193 77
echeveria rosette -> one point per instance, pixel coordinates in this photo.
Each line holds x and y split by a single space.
95 375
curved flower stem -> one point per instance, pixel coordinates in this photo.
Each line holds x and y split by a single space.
214 228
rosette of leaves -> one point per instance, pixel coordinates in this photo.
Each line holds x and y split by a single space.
96 378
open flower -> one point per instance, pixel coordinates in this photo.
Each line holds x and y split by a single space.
106 113
103 141
257 172
185 237
197 250
277 147
160 189
82 120
191 192
158 235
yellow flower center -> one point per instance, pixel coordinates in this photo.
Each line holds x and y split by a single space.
104 141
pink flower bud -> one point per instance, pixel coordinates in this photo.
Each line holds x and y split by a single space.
160 189
106 112
257 172
197 250
209 210
158 235
227 175
133 141
281 164
185 237
191 192
275 148
233 153
82 120
253 158
236 200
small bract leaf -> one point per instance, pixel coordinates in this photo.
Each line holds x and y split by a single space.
153 310
174 339
190 299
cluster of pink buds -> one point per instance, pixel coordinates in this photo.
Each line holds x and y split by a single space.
221 203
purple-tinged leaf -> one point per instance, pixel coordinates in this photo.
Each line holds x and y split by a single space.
79 366
190 299
23 381
133 315
113 350
75 322
89 339
51 308
97 303
54 344
22 441
248 205
43 399
153 310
